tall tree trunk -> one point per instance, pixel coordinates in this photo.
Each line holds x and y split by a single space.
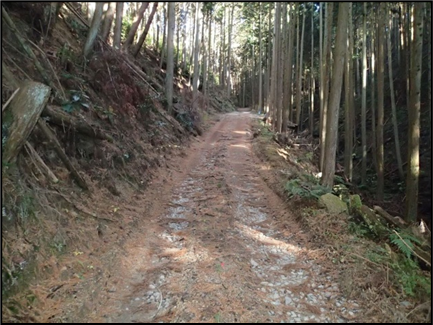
322 75
312 76
412 178
334 98
196 53
130 38
394 111
170 57
205 56
299 83
143 36
164 33
268 63
252 78
429 90
348 127
364 99
224 48
93 32
208 79
380 101
178 38
108 21
373 95
274 80
296 70
326 68
260 104
184 59
118 25
290 32
279 75
229 55
220 58
243 92
408 52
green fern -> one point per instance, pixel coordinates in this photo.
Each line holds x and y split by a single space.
297 187
405 243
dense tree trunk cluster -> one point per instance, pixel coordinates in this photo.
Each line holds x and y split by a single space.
258 54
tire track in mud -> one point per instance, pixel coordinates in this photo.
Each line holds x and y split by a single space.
218 252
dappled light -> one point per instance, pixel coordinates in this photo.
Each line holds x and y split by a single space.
239 146
268 240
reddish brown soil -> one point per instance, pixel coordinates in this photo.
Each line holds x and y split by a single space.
213 244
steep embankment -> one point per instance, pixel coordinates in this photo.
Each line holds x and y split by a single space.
48 227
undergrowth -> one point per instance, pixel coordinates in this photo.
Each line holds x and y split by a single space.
406 274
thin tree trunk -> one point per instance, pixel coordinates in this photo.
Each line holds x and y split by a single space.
158 20
229 60
322 75
178 38
170 56
312 76
260 104
146 31
412 179
279 75
299 85
205 57
348 127
334 98
243 92
296 71
429 90
408 52
364 99
273 104
94 27
326 65
290 31
252 78
394 110
196 53
164 33
208 79
184 59
268 64
220 61
224 56
108 21
130 38
373 96
380 102
118 25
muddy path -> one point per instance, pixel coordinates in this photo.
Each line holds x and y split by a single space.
215 244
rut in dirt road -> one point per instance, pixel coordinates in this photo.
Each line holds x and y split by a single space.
220 252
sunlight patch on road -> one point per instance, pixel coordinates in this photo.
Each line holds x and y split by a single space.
241 132
261 237
239 146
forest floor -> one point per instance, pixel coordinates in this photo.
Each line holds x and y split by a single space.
215 244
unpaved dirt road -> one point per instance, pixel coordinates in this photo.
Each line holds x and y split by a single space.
218 245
